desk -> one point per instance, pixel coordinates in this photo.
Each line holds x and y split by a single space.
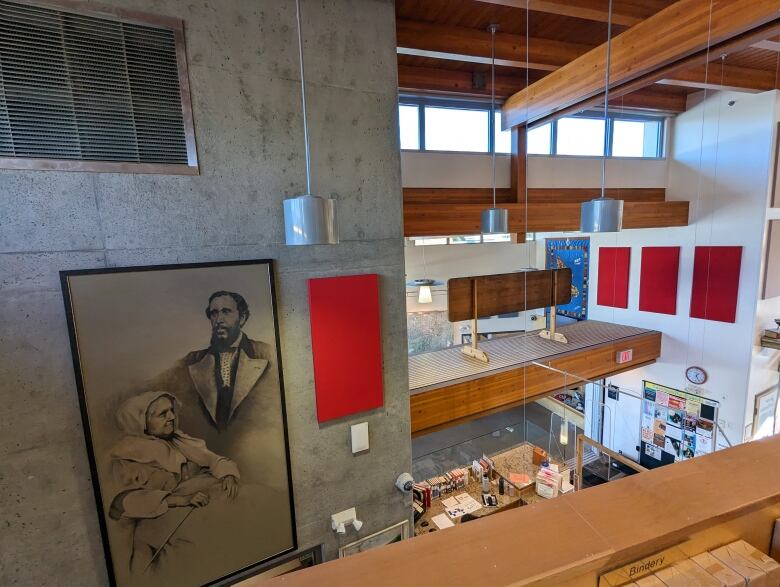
518 459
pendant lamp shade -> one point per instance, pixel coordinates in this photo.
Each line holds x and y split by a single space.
601 215
494 221
425 296
310 220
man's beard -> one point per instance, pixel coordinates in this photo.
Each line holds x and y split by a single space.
221 344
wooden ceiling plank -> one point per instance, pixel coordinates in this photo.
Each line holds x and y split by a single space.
537 53
583 9
717 77
449 81
683 30
455 82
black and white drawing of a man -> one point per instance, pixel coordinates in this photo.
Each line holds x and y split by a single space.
214 383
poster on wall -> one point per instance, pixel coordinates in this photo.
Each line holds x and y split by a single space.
676 425
573 253
180 386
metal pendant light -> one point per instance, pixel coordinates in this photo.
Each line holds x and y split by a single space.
494 220
603 214
308 219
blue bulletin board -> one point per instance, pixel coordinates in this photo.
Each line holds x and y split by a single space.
573 253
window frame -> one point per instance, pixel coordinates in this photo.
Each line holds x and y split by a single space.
176 25
465 104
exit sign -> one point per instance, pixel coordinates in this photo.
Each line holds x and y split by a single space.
625 356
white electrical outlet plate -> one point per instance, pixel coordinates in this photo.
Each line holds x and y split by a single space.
359 437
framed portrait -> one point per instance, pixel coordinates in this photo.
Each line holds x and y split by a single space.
394 533
179 380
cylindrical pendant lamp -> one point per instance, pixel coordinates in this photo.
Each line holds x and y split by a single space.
601 215
494 221
310 220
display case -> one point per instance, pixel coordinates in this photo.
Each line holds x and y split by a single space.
448 479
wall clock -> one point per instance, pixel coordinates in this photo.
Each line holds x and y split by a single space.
696 375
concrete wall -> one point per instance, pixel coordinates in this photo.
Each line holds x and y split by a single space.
244 75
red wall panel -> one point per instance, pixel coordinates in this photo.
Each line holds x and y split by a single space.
658 279
716 283
614 265
346 344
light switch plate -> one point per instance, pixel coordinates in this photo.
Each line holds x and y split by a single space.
359 437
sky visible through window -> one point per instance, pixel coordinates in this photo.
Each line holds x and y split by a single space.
450 129
580 136
467 130
410 128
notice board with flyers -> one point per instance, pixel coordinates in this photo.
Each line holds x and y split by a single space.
676 425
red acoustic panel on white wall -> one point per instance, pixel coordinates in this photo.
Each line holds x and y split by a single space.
346 345
614 266
716 283
658 279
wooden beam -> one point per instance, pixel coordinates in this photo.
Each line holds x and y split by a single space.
684 29
595 10
716 76
439 220
517 165
446 406
454 41
450 81
733 45
444 196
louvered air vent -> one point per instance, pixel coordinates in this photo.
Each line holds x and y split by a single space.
78 87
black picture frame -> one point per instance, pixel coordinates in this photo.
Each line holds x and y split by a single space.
66 279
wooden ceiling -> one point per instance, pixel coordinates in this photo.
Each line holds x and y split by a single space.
444 48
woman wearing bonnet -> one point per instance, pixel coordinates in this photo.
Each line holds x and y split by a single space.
161 476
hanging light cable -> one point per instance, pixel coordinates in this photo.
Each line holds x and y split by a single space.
308 219
603 214
494 220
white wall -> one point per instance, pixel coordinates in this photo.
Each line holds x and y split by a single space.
720 162
467 170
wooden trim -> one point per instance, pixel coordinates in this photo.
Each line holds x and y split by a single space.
688 29
458 402
440 220
535 195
